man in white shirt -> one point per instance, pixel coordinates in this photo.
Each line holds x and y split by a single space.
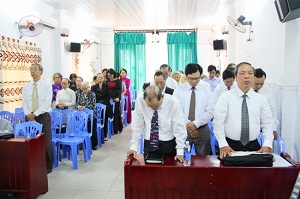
212 80
36 103
227 84
237 129
196 101
171 127
160 81
259 87
170 82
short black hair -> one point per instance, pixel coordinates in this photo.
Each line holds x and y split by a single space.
227 74
211 68
259 73
112 71
239 65
95 78
159 73
72 75
104 69
192 68
123 70
165 66
217 72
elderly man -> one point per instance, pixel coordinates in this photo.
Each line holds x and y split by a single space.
240 114
160 81
36 103
159 116
170 82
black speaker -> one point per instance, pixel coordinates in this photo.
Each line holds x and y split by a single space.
220 44
75 47
287 10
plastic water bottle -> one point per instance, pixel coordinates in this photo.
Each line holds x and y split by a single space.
187 154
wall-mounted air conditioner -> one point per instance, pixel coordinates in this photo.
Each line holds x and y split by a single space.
49 22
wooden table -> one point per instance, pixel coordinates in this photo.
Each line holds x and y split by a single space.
23 166
205 178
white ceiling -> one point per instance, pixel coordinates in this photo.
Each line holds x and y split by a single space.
142 14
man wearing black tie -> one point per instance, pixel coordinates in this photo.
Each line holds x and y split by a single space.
160 81
159 117
196 101
36 103
240 114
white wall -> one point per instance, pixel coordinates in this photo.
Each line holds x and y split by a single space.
275 48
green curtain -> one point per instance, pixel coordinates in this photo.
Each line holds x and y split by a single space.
130 54
182 49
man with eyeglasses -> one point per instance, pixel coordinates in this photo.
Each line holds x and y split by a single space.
196 100
160 81
227 84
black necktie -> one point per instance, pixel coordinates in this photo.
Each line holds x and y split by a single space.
245 122
228 88
256 91
192 105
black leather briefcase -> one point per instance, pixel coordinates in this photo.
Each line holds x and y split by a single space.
255 160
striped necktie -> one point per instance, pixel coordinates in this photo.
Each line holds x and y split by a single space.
154 141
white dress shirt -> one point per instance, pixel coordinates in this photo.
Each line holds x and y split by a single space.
204 106
44 89
171 83
68 97
227 117
267 93
221 88
170 122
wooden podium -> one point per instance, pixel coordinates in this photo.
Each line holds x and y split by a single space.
205 178
23 166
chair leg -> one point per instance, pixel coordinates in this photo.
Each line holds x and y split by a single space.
74 156
99 137
55 151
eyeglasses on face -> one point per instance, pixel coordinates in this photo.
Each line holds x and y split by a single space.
193 79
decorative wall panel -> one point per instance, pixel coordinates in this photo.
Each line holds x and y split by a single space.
16 56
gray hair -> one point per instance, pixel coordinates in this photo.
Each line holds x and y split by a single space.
85 83
152 92
39 65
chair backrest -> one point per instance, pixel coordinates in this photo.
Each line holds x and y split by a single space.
101 110
122 106
90 116
133 95
7 115
113 104
19 117
29 129
56 123
79 122
64 112
20 109
281 147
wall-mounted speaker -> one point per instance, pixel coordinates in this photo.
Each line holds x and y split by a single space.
287 9
220 44
75 47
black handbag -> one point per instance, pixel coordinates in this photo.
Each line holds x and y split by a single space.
255 160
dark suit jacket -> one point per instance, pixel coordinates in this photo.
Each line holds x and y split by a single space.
169 90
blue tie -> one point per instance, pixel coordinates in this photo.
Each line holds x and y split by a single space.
154 132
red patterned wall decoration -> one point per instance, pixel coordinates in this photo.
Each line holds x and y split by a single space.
16 56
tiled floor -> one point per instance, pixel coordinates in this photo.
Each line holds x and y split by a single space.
101 178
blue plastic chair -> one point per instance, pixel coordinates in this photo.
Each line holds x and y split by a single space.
281 143
110 125
123 111
101 112
56 123
213 140
29 129
64 112
89 142
193 151
133 96
19 117
7 116
20 109
142 144
74 139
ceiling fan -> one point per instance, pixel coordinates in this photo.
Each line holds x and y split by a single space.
88 43
239 24
30 26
